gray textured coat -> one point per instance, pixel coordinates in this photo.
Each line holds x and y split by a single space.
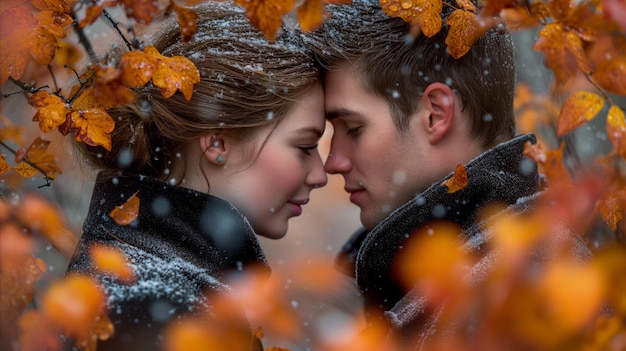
181 247
500 175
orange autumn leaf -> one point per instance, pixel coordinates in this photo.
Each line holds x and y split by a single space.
92 127
578 109
465 29
434 262
566 284
458 180
75 305
563 51
4 165
612 208
611 75
111 261
310 15
55 5
25 170
169 74
266 15
19 271
67 54
43 45
174 73
467 5
518 19
142 11
137 68
127 212
616 129
515 236
493 7
107 89
41 216
15 25
36 155
51 110
93 12
533 111
426 13
54 22
535 152
187 21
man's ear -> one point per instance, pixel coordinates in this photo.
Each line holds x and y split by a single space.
213 148
438 100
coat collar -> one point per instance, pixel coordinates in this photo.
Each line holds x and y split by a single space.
500 175
202 229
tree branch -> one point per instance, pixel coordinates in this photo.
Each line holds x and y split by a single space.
117 28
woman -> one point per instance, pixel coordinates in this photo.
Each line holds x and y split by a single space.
237 160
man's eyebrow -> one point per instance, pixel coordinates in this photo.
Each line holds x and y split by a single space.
341 112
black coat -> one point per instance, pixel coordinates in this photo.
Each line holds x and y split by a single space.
500 175
182 247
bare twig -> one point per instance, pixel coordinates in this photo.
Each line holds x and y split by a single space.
117 28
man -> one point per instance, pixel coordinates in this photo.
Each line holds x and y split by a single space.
405 114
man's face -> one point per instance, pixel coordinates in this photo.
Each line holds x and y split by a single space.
382 167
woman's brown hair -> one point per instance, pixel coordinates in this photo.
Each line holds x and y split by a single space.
247 82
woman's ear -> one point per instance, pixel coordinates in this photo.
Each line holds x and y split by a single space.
439 100
213 149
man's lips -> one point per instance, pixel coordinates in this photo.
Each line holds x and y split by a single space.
355 194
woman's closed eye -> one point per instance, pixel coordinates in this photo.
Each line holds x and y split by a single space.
307 149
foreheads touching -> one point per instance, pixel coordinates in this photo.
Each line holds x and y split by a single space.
399 68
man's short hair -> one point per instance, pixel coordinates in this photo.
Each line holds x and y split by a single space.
399 67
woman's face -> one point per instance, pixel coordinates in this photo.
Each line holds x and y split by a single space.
271 185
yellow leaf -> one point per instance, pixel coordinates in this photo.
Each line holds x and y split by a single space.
578 109
25 170
266 15
128 212
458 180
